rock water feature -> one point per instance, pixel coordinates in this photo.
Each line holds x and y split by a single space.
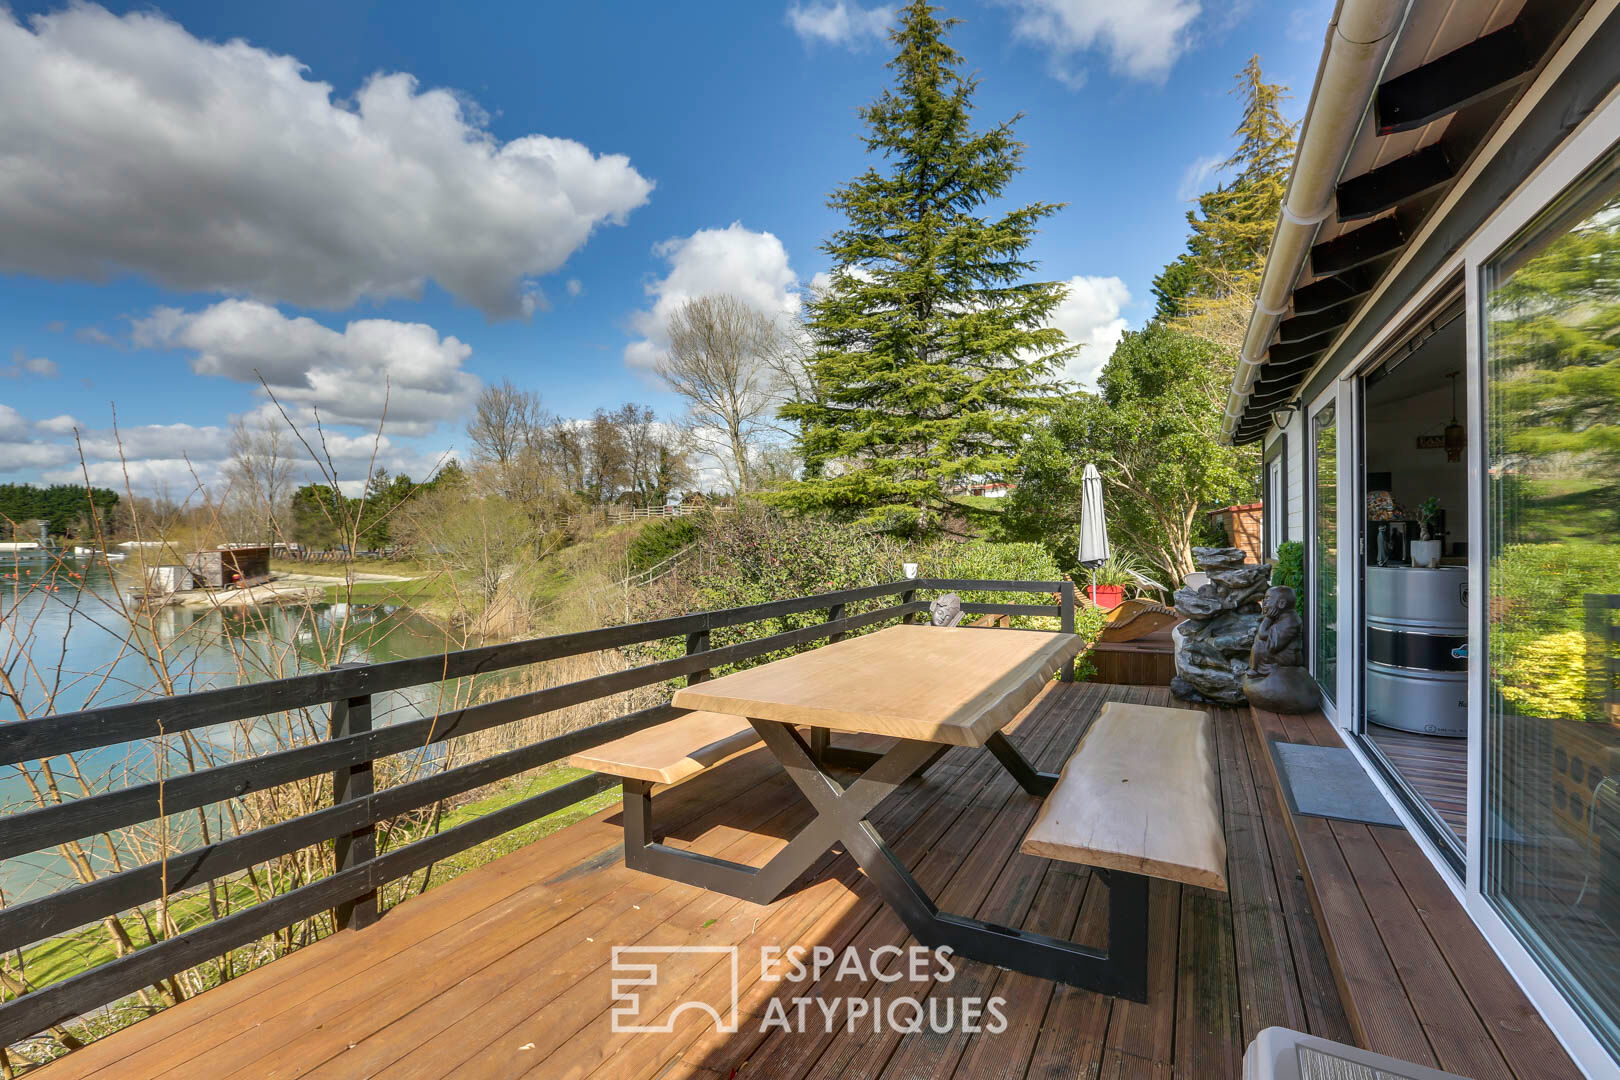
1212 646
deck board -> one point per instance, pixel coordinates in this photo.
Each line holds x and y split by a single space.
1416 977
504 971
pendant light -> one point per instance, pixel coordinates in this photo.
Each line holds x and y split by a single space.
1456 437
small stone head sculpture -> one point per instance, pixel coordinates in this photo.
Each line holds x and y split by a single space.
1279 598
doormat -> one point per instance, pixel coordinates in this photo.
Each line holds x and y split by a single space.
1328 781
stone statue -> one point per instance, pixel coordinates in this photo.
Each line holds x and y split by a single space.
945 610
1276 678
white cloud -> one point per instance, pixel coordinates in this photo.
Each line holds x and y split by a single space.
346 374
1143 39
23 364
95 335
575 287
840 23
156 441
175 476
59 425
752 266
12 423
1089 315
132 146
1199 176
17 456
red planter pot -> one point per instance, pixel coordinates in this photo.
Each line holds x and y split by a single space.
1107 597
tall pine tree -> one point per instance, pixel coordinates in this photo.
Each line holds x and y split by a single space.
1209 289
932 355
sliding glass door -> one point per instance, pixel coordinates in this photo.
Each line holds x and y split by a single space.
1550 341
1324 584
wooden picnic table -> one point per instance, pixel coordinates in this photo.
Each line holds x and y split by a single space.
928 688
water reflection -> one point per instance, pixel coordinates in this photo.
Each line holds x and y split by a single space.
68 642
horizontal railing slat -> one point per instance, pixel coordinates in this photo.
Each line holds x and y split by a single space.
60 912
1013 609
49 736
41 828
61 1001
972 585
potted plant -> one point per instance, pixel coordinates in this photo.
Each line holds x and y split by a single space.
1108 582
1426 549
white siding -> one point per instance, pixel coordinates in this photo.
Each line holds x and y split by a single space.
1296 473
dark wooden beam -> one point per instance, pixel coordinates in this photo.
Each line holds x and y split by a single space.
1456 80
1269 402
1295 351
1305 327
1326 292
1359 246
1271 388
1390 185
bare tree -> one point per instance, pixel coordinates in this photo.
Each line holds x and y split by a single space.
606 456
505 421
564 443
720 360
260 473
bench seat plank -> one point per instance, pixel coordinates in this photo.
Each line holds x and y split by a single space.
672 751
1140 795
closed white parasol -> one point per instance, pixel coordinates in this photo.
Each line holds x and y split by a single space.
1093 522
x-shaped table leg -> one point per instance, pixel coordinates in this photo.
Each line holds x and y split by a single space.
1120 971
764 884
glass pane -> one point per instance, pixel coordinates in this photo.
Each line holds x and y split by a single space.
1552 753
1325 552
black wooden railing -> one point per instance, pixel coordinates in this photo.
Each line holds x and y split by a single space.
348 752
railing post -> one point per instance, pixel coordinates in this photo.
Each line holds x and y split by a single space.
835 613
905 598
1066 622
352 716
696 642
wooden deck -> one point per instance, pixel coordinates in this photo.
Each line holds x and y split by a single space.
505 971
1437 769
1417 978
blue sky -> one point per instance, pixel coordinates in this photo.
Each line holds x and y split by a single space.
516 191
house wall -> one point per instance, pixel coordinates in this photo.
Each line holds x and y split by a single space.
1575 86
1295 473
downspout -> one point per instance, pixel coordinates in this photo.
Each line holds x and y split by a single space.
1358 45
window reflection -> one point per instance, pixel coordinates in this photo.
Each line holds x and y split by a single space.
1552 783
1325 560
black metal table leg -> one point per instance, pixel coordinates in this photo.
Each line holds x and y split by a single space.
763 884
1120 970
1029 778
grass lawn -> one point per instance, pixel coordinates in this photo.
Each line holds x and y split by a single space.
463 861
427 587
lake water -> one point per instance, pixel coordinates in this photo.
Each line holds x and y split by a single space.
67 644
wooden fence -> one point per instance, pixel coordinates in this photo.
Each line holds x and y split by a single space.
347 753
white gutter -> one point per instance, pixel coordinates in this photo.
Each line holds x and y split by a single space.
1358 44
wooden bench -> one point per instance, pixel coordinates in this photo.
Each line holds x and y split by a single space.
1139 795
670 752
